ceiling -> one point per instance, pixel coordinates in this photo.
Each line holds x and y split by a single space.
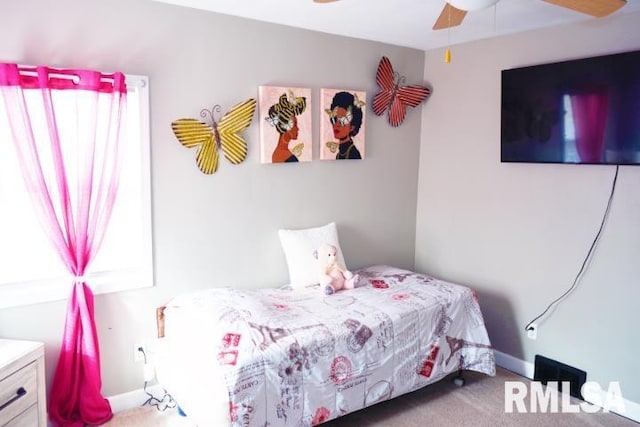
400 22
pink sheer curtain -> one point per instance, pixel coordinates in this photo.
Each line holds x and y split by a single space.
71 165
590 111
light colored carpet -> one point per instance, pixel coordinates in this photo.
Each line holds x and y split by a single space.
480 403
148 416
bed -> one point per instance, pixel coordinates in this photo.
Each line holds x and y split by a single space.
297 357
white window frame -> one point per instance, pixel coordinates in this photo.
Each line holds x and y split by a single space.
40 291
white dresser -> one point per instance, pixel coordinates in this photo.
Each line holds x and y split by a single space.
22 384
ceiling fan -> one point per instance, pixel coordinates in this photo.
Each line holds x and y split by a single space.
454 11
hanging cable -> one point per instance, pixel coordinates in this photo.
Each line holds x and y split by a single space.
586 259
495 17
447 53
162 404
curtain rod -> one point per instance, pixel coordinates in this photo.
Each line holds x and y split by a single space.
136 81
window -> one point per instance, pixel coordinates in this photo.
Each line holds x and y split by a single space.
30 270
570 149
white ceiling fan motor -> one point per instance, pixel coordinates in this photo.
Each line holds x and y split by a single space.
472 4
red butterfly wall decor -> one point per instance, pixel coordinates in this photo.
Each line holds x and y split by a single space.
394 96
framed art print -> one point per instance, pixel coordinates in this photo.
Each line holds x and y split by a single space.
342 124
285 124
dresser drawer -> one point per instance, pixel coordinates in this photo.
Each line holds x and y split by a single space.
18 392
28 418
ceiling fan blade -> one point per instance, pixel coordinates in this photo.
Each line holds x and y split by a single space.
449 17
596 8
324 1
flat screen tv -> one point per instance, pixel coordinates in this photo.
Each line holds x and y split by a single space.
584 111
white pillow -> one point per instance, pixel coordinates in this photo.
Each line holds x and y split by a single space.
298 247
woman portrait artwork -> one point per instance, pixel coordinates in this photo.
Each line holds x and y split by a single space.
342 128
286 127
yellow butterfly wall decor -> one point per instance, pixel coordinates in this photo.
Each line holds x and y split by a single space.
223 134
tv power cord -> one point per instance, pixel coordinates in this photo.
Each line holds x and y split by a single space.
529 326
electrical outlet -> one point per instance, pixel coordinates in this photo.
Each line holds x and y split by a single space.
138 356
532 331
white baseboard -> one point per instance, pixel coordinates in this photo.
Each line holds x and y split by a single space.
632 410
526 369
514 364
133 399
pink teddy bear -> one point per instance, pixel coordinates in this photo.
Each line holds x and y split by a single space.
333 277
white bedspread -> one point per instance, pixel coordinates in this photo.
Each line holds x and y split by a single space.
299 357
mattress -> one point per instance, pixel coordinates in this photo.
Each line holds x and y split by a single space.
296 357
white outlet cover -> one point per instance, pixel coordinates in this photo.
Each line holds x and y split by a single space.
138 356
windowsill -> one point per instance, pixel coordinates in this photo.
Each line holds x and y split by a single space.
41 291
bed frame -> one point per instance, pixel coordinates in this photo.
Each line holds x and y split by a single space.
160 320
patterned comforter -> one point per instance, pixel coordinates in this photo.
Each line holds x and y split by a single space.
299 357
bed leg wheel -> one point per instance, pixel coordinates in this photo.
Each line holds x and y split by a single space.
459 381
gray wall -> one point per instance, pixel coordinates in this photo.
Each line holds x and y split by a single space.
518 233
222 229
